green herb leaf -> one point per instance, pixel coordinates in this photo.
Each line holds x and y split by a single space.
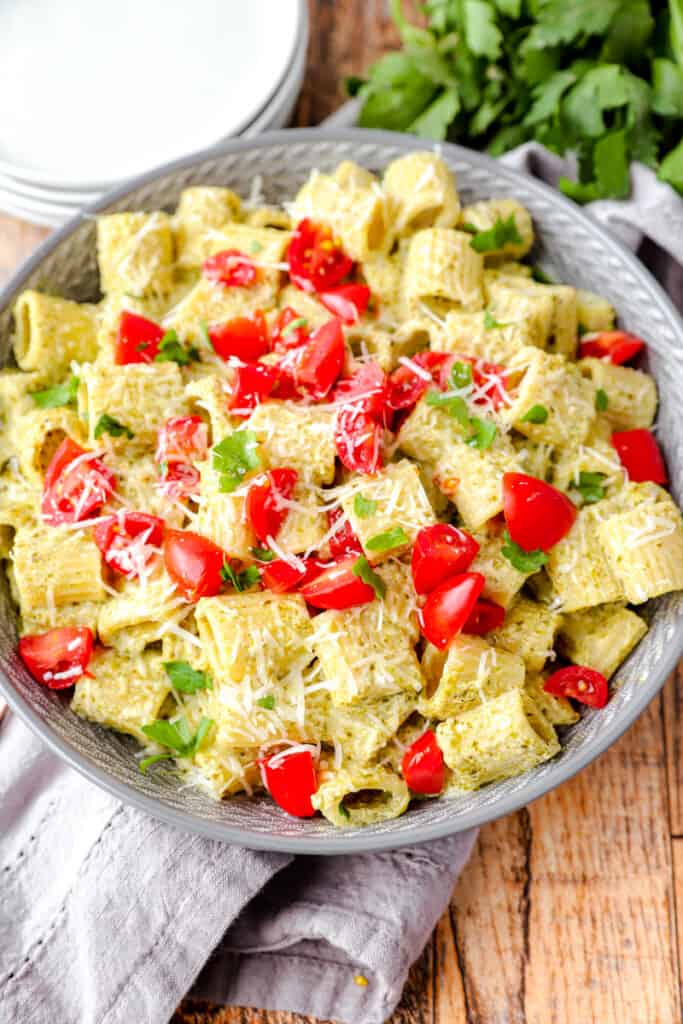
364 507
177 736
171 351
364 570
536 414
106 424
601 400
262 554
454 405
563 21
267 702
484 433
255 246
294 325
519 559
483 36
389 539
490 322
204 335
434 121
496 237
344 811
235 456
61 394
186 679
589 488
147 762
240 580
671 168
460 375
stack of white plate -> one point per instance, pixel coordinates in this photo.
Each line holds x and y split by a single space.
92 93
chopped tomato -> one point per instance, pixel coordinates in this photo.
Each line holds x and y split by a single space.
244 337
280 576
485 616
358 440
283 338
440 551
583 684
316 259
347 301
448 608
127 541
537 515
182 439
338 587
406 386
640 456
614 346
423 765
137 339
291 781
365 390
321 360
194 563
251 385
231 268
179 480
264 506
76 484
59 657
343 541
490 380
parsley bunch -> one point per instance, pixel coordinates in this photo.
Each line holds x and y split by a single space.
603 79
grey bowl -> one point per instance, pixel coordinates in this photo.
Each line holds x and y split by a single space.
571 247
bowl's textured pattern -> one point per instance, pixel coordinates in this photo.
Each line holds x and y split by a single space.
570 248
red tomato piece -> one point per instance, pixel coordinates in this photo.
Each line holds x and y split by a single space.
347 301
640 456
58 658
283 339
291 781
485 616
490 381
581 683
231 268
251 385
76 484
126 541
264 504
537 515
358 440
343 541
280 576
614 346
423 765
440 551
406 386
137 339
179 480
194 563
365 391
338 587
321 360
316 259
182 439
448 608
244 337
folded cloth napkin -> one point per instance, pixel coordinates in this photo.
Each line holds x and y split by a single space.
107 916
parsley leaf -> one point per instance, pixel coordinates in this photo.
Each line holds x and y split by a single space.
536 414
589 488
240 580
255 246
106 424
460 375
293 325
344 811
454 405
61 394
267 702
234 457
364 507
601 400
389 539
490 322
434 121
171 351
186 679
177 736
495 237
363 569
262 554
519 559
484 433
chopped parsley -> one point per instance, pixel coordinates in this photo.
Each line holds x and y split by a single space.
490 322
171 351
589 489
389 539
240 580
177 736
364 507
255 246
601 400
519 559
234 457
484 433
460 375
536 414
262 554
267 702
502 232
106 424
364 571
61 394
186 679
344 811
540 275
454 405
293 325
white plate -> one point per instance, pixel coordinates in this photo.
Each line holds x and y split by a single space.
57 196
77 79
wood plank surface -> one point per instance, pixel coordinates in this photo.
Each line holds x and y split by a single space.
571 910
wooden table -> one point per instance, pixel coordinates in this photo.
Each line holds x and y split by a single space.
569 911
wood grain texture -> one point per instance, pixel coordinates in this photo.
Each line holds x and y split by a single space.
570 911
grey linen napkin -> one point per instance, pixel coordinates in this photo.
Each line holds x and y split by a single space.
107 916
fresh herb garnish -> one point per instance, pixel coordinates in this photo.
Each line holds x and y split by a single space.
171 351
601 400
389 539
454 405
589 488
363 569
364 507
106 424
540 275
293 325
519 559
186 679
177 736
240 580
204 335
460 375
495 237
484 433
490 322
267 702
255 246
262 554
344 811
61 394
234 457
536 414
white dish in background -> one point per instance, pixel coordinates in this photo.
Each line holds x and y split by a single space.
77 79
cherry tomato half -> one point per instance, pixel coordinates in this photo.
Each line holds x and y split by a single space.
347 301
448 608
126 541
440 551
194 563
231 268
291 781
137 339
321 360
76 484
264 504
343 541
280 576
182 439
58 658
640 456
406 387
423 765
365 390
614 346
484 617
316 259
358 440
244 337
583 684
537 515
338 587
